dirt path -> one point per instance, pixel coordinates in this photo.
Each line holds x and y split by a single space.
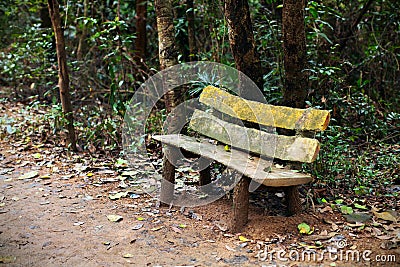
63 222
54 209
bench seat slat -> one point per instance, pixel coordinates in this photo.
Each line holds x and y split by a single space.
253 167
291 148
268 115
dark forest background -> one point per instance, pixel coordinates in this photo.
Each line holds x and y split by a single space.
353 69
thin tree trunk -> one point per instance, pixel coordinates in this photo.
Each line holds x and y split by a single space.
141 37
350 30
168 57
191 30
295 54
82 39
241 40
63 78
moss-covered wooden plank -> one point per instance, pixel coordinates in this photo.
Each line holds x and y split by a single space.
252 167
269 115
291 148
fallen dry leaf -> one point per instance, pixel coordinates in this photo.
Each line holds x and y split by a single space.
114 218
386 216
243 239
157 228
29 175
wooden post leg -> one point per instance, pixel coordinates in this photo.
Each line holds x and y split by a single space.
168 182
293 199
205 176
240 204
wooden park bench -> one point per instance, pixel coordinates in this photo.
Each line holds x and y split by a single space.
262 145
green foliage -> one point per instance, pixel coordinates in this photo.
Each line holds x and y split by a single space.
33 51
353 70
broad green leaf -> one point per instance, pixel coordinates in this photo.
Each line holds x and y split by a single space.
304 228
339 201
121 162
358 206
346 210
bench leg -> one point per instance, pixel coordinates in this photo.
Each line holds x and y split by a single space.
205 176
240 204
293 199
168 182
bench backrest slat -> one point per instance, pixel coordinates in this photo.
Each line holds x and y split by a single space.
264 114
292 148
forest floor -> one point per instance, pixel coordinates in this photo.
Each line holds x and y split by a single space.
59 208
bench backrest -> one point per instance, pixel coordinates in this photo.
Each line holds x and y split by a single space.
269 144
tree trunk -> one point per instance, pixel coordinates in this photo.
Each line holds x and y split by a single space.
168 57
295 54
141 37
167 51
350 29
241 40
295 79
191 30
293 199
63 78
240 204
82 39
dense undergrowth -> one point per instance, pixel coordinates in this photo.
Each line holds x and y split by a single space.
357 79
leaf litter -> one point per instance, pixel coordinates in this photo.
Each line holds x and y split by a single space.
382 222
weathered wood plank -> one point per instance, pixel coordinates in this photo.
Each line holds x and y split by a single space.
292 148
252 167
269 115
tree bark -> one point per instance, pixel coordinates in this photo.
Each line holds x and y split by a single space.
191 30
168 57
293 199
295 79
295 54
82 39
240 204
241 40
167 52
141 36
63 78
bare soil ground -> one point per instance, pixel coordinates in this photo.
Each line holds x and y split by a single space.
59 216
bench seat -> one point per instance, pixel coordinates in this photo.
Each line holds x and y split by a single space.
253 167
